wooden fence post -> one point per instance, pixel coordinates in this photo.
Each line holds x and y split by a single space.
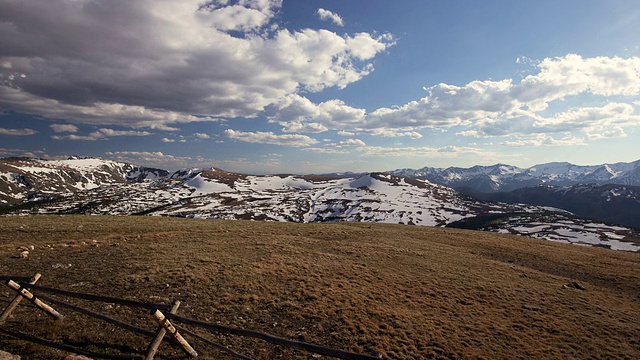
16 300
161 332
29 296
163 321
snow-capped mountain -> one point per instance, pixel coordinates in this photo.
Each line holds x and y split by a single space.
96 186
501 177
582 190
31 179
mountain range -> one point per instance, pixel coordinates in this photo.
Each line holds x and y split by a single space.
607 192
503 178
97 186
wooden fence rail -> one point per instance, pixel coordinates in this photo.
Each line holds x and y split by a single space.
163 319
214 344
100 316
346 355
34 339
107 299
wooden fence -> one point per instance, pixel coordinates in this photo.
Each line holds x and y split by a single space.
165 315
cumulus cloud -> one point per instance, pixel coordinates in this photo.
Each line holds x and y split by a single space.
395 133
330 16
171 162
297 113
351 142
154 158
155 63
260 137
336 148
242 15
303 127
202 136
500 108
327 150
572 75
544 140
17 132
96 113
64 128
449 152
101 134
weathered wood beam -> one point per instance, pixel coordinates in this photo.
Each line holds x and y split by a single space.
160 333
16 300
163 321
37 302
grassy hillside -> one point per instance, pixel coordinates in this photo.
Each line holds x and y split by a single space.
404 291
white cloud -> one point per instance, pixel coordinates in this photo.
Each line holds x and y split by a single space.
327 150
172 162
167 140
154 158
243 16
97 113
111 132
395 133
447 106
10 152
17 132
543 140
500 108
297 112
351 142
64 128
270 138
593 122
334 148
572 75
118 62
331 16
101 134
448 152
202 136
345 133
303 127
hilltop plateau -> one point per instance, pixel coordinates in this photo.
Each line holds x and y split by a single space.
407 292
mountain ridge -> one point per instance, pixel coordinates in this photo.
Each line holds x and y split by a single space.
97 186
575 188
503 177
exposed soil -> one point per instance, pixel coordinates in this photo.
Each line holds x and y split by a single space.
406 292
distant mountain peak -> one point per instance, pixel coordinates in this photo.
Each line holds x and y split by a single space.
97 186
503 177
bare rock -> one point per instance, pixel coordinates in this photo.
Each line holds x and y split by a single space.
77 357
574 285
6 356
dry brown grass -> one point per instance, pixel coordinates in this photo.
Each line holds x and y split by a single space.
406 292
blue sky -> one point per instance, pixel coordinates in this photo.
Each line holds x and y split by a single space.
270 86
